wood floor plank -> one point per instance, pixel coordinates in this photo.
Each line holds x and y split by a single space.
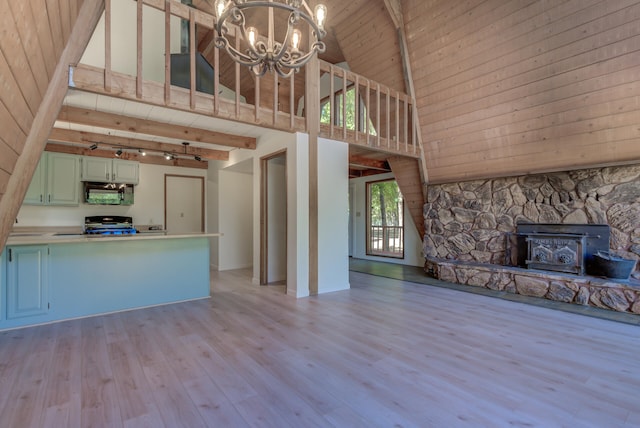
384 353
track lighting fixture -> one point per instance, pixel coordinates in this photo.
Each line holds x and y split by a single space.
167 156
118 153
198 158
142 152
93 146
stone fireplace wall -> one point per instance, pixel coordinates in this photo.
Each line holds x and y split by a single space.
469 221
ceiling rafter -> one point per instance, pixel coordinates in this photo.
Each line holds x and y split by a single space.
150 127
89 138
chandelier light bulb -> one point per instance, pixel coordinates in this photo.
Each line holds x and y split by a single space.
321 15
295 39
220 7
252 32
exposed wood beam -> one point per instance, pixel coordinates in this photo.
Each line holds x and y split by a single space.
395 10
149 159
394 7
88 138
11 201
369 163
150 127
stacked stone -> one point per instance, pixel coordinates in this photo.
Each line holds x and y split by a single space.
470 221
559 287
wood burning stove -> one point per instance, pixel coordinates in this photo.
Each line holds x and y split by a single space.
566 248
559 252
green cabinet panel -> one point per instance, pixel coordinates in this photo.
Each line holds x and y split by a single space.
110 170
37 189
27 280
56 181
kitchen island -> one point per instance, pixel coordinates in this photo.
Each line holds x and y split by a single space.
51 277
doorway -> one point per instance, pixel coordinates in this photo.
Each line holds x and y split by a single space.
183 204
273 219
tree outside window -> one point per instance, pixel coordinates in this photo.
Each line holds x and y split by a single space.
385 216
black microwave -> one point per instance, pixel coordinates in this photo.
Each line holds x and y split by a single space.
108 193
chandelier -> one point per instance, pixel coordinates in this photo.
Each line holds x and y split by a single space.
267 53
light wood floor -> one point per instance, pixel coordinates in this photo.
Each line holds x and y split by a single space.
385 353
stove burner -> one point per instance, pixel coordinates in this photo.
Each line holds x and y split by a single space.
108 226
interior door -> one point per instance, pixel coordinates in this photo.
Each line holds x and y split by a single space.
183 204
273 222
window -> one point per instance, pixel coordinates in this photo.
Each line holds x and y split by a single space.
385 214
325 112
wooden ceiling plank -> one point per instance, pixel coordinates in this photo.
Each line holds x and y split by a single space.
44 37
89 138
150 127
55 26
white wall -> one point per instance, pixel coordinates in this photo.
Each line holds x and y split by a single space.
412 240
148 207
123 40
235 215
333 215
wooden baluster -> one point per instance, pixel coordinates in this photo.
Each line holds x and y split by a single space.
368 111
107 45
237 78
378 113
216 81
167 52
292 100
397 120
332 99
257 97
276 94
388 91
344 104
139 52
192 59
356 108
406 123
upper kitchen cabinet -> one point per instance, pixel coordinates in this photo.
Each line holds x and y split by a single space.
110 170
55 181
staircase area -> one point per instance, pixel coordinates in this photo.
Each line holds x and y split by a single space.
410 181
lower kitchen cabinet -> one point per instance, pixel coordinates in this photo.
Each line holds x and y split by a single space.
27 280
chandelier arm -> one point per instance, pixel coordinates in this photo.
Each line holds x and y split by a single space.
260 57
237 56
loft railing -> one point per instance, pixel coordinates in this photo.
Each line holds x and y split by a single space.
355 109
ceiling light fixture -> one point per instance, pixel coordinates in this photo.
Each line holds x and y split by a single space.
167 156
142 152
261 55
93 146
198 158
118 153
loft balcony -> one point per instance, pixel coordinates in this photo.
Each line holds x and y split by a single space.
162 53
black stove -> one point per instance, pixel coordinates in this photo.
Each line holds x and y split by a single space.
108 225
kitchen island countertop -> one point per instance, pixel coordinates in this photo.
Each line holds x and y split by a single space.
45 238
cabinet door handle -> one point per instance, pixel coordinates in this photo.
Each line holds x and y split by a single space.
10 255
49 198
107 175
41 198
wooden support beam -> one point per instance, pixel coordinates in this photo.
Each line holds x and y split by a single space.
18 182
150 127
361 161
102 140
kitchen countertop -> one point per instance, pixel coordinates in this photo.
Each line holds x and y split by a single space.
45 238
